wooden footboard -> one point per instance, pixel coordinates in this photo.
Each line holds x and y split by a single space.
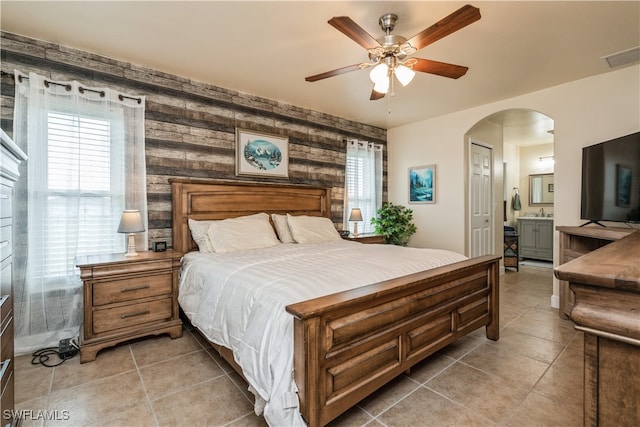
349 344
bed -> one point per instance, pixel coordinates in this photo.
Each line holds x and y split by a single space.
348 344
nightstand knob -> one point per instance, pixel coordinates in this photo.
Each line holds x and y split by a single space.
135 288
134 314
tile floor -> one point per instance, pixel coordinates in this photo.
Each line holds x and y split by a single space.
532 376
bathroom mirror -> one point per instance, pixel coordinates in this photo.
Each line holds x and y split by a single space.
541 189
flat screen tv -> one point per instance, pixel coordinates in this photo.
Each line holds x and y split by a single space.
611 181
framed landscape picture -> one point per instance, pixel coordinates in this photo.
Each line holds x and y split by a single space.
261 154
422 184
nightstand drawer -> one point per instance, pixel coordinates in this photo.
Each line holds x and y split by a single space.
131 315
142 266
132 288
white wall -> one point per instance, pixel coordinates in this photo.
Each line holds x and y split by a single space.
585 112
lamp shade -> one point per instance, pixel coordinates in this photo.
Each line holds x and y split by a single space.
355 215
382 86
404 74
131 222
379 73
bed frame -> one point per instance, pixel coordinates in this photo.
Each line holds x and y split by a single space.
349 344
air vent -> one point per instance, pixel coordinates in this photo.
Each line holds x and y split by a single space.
624 57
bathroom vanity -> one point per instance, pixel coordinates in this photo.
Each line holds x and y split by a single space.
536 237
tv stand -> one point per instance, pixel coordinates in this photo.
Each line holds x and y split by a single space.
594 222
578 241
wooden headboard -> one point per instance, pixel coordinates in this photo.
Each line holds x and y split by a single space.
203 199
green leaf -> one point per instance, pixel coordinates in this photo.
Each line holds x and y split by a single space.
395 223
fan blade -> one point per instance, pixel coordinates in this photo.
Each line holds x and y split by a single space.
332 73
459 19
439 68
349 28
376 95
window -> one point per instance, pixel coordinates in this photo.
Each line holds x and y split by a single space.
363 182
85 165
83 202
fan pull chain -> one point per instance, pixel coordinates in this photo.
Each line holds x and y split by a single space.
390 94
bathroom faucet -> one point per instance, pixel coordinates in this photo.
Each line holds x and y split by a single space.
541 211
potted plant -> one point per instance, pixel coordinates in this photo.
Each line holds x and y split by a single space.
394 222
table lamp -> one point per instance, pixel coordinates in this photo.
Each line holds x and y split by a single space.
355 216
131 223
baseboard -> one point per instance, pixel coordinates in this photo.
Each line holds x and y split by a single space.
555 301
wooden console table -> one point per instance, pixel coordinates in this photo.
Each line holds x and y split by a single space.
578 241
606 286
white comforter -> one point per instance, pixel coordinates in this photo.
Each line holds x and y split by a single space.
238 300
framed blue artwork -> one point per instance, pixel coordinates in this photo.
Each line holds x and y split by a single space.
422 184
261 154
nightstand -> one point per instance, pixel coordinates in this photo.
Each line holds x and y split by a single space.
127 298
366 238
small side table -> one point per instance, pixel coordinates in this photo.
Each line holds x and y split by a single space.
366 238
128 297
511 251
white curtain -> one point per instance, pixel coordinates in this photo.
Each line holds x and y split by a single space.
363 183
86 164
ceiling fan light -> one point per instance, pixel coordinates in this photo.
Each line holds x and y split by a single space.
404 74
382 86
379 73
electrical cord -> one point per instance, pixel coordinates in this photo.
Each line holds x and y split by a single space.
43 355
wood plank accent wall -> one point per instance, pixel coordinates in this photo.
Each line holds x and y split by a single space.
190 126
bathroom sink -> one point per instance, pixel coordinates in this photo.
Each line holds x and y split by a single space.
538 216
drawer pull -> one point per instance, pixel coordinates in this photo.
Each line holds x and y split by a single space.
4 243
134 314
135 288
4 196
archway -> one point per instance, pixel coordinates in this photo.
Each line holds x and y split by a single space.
522 142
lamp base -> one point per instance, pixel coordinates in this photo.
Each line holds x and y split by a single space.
131 248
355 229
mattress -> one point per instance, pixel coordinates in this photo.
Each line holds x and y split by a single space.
238 300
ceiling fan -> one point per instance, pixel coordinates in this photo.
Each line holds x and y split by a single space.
389 54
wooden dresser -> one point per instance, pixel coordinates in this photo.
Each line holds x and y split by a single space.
578 241
10 158
606 286
128 297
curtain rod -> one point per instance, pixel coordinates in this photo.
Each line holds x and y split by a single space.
68 87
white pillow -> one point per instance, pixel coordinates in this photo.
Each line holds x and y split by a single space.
311 229
282 228
199 234
246 232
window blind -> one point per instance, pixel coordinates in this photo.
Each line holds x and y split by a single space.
363 182
80 191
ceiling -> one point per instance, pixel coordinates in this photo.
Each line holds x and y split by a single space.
267 48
